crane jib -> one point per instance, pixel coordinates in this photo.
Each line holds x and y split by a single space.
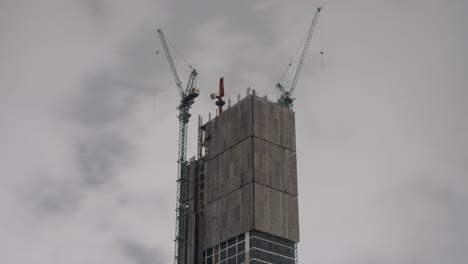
286 99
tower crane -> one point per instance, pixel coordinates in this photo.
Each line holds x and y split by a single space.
286 96
187 96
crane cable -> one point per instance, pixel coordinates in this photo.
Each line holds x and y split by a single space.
180 54
294 57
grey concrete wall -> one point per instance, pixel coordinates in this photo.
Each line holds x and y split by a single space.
275 166
290 172
292 210
229 216
229 170
229 128
252 116
276 212
212 180
247 208
251 172
273 123
211 224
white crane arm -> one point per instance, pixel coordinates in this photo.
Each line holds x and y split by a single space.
304 52
171 63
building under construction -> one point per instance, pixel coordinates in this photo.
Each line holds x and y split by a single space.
241 193
237 201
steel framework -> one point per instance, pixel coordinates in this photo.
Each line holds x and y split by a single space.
187 97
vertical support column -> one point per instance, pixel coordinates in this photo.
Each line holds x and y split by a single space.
247 247
295 253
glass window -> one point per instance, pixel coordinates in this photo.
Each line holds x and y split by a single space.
253 242
232 260
241 247
231 242
241 258
231 251
223 245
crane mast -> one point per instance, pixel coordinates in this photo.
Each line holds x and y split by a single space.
187 99
286 99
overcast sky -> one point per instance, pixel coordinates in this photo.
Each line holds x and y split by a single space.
88 128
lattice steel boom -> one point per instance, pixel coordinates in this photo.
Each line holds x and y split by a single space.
286 99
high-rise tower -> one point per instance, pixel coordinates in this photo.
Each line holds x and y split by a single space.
242 195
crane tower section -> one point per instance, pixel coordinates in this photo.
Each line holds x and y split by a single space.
187 97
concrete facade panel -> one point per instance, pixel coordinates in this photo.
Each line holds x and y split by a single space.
274 180
272 123
211 145
260 118
235 123
234 213
281 170
207 140
260 161
224 175
293 217
212 135
246 117
235 178
213 224
225 130
281 126
274 212
246 155
261 207
284 216
247 211
235 162
290 172
289 130
215 144
211 180
224 217
293 130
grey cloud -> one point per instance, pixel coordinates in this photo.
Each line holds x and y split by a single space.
96 8
108 98
105 98
110 94
251 30
100 157
140 254
53 197
381 131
